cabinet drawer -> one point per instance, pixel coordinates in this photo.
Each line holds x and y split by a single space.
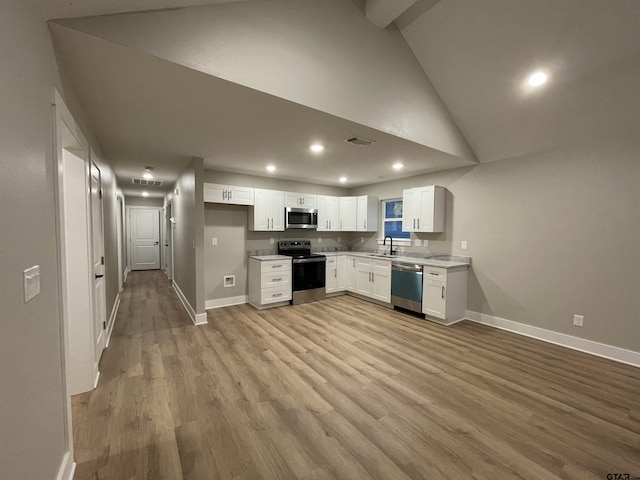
435 273
381 265
331 262
275 279
276 266
275 294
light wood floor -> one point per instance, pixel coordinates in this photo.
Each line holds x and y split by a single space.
344 389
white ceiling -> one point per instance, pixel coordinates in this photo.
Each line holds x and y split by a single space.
151 111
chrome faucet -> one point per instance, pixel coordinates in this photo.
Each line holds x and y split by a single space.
391 250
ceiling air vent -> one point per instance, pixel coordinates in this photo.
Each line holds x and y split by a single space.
146 183
359 141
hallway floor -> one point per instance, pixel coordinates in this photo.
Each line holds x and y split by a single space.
344 389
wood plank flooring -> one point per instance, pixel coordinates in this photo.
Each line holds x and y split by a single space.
344 389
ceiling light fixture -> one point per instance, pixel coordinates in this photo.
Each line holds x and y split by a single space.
537 78
271 168
316 147
147 172
145 194
398 166
343 179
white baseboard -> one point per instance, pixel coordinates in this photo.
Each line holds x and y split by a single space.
112 319
197 319
225 302
67 468
126 272
575 343
95 382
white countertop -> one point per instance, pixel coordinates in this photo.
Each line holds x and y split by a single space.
264 258
429 262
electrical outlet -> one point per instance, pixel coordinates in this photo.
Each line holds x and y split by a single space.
361 239
578 320
214 241
272 240
417 242
31 280
464 245
229 280
338 239
319 239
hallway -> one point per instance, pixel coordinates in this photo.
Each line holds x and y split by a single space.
344 389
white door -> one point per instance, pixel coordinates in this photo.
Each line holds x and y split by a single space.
98 281
145 238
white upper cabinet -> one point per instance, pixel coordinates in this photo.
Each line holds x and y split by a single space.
328 213
367 213
215 193
423 209
348 214
299 200
268 212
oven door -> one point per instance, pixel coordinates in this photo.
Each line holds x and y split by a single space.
309 273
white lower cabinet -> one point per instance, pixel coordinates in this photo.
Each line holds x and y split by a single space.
444 294
373 278
269 282
336 279
351 273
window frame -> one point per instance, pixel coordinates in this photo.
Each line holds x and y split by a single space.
401 242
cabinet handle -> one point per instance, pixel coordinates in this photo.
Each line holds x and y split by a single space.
365 224
414 223
276 295
230 193
418 224
276 266
335 273
276 280
443 292
329 224
302 200
224 194
373 277
434 274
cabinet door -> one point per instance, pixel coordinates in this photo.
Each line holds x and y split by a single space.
341 273
276 210
334 213
240 195
323 213
331 275
426 204
348 214
214 193
381 286
367 213
261 211
410 208
351 274
434 298
292 199
363 281
308 200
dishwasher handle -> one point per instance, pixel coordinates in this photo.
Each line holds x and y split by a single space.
408 268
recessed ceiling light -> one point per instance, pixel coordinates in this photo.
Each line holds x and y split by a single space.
145 194
271 168
537 78
316 147
398 166
343 179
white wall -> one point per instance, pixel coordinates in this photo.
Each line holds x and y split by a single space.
32 422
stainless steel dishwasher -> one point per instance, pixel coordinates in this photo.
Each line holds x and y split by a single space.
406 286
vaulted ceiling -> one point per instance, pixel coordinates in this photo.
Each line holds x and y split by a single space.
245 84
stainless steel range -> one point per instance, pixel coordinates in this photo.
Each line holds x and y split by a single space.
309 271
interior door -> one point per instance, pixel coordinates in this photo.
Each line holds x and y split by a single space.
99 289
145 238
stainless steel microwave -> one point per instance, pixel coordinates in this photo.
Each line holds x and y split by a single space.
301 218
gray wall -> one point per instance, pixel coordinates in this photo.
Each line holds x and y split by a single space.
550 235
144 201
31 383
188 235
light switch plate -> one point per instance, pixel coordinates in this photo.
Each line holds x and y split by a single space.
418 242
214 241
31 278
464 244
272 241
578 320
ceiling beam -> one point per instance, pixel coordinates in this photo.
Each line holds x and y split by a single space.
383 12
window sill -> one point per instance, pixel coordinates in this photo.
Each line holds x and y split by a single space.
397 242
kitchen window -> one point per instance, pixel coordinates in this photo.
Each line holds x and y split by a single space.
391 223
